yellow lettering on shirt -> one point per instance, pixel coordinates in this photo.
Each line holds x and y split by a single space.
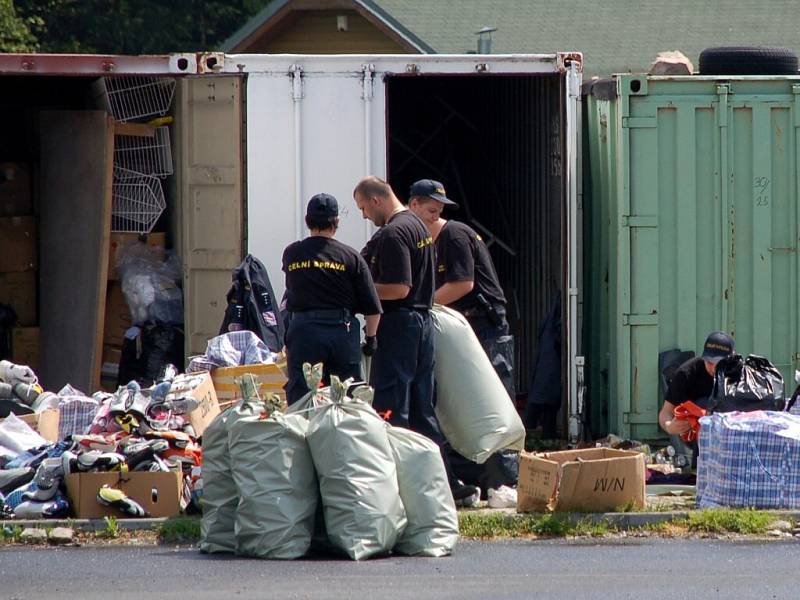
440 268
426 242
331 265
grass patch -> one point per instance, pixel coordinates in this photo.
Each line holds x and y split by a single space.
723 520
111 530
499 525
10 534
180 530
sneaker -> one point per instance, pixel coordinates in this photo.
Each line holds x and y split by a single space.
108 496
94 460
502 497
466 495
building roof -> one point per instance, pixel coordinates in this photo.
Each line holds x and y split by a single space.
615 36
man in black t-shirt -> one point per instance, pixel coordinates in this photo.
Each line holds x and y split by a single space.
327 284
694 380
466 280
400 258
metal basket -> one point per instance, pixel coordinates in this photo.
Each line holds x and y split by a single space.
137 97
137 201
145 154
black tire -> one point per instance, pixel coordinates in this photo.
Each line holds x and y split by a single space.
744 60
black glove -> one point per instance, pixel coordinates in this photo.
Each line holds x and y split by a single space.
370 345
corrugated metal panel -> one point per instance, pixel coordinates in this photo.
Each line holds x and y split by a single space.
701 193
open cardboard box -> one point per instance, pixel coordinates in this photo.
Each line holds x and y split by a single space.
44 423
589 480
158 493
270 376
201 387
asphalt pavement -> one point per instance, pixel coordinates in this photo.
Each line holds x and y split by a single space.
609 568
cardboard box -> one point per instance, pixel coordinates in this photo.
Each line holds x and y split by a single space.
118 316
157 241
18 290
45 422
25 347
270 377
15 189
590 480
158 493
18 244
199 386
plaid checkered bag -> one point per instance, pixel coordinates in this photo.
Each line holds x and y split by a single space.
749 460
75 412
232 349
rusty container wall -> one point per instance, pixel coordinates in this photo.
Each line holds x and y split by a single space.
692 191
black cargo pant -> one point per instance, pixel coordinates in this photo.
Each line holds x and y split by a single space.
327 336
497 343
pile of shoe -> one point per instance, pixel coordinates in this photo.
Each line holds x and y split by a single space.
20 392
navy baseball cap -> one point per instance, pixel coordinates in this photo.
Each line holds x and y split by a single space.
322 205
431 189
718 345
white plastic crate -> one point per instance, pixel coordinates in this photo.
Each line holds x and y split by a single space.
137 201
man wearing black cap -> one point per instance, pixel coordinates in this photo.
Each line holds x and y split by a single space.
400 257
694 380
327 283
466 280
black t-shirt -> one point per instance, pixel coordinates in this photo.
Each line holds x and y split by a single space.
461 255
690 382
323 273
402 252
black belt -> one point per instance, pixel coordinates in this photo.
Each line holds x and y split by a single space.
480 311
325 313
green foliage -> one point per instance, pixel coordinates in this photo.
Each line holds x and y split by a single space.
502 525
10 534
725 520
112 528
16 33
130 26
180 530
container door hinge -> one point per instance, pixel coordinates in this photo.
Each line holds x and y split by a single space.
639 319
639 221
296 73
367 81
639 122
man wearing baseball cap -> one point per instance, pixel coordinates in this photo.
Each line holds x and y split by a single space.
327 283
466 279
694 380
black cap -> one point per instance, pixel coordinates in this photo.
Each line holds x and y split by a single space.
322 205
718 345
431 189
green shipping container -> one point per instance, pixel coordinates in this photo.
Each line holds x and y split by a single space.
691 203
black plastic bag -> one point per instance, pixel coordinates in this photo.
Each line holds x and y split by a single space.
145 356
252 306
746 384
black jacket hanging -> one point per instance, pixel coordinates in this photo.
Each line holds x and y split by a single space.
252 304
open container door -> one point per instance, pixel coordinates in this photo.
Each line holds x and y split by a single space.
77 149
320 123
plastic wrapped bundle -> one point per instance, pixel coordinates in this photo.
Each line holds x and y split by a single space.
432 528
364 515
276 483
473 407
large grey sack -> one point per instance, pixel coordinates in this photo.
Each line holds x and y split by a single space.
220 497
364 515
473 407
277 485
432 528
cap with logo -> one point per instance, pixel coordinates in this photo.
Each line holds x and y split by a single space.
322 205
431 189
718 345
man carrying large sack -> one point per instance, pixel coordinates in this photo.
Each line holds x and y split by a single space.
401 259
